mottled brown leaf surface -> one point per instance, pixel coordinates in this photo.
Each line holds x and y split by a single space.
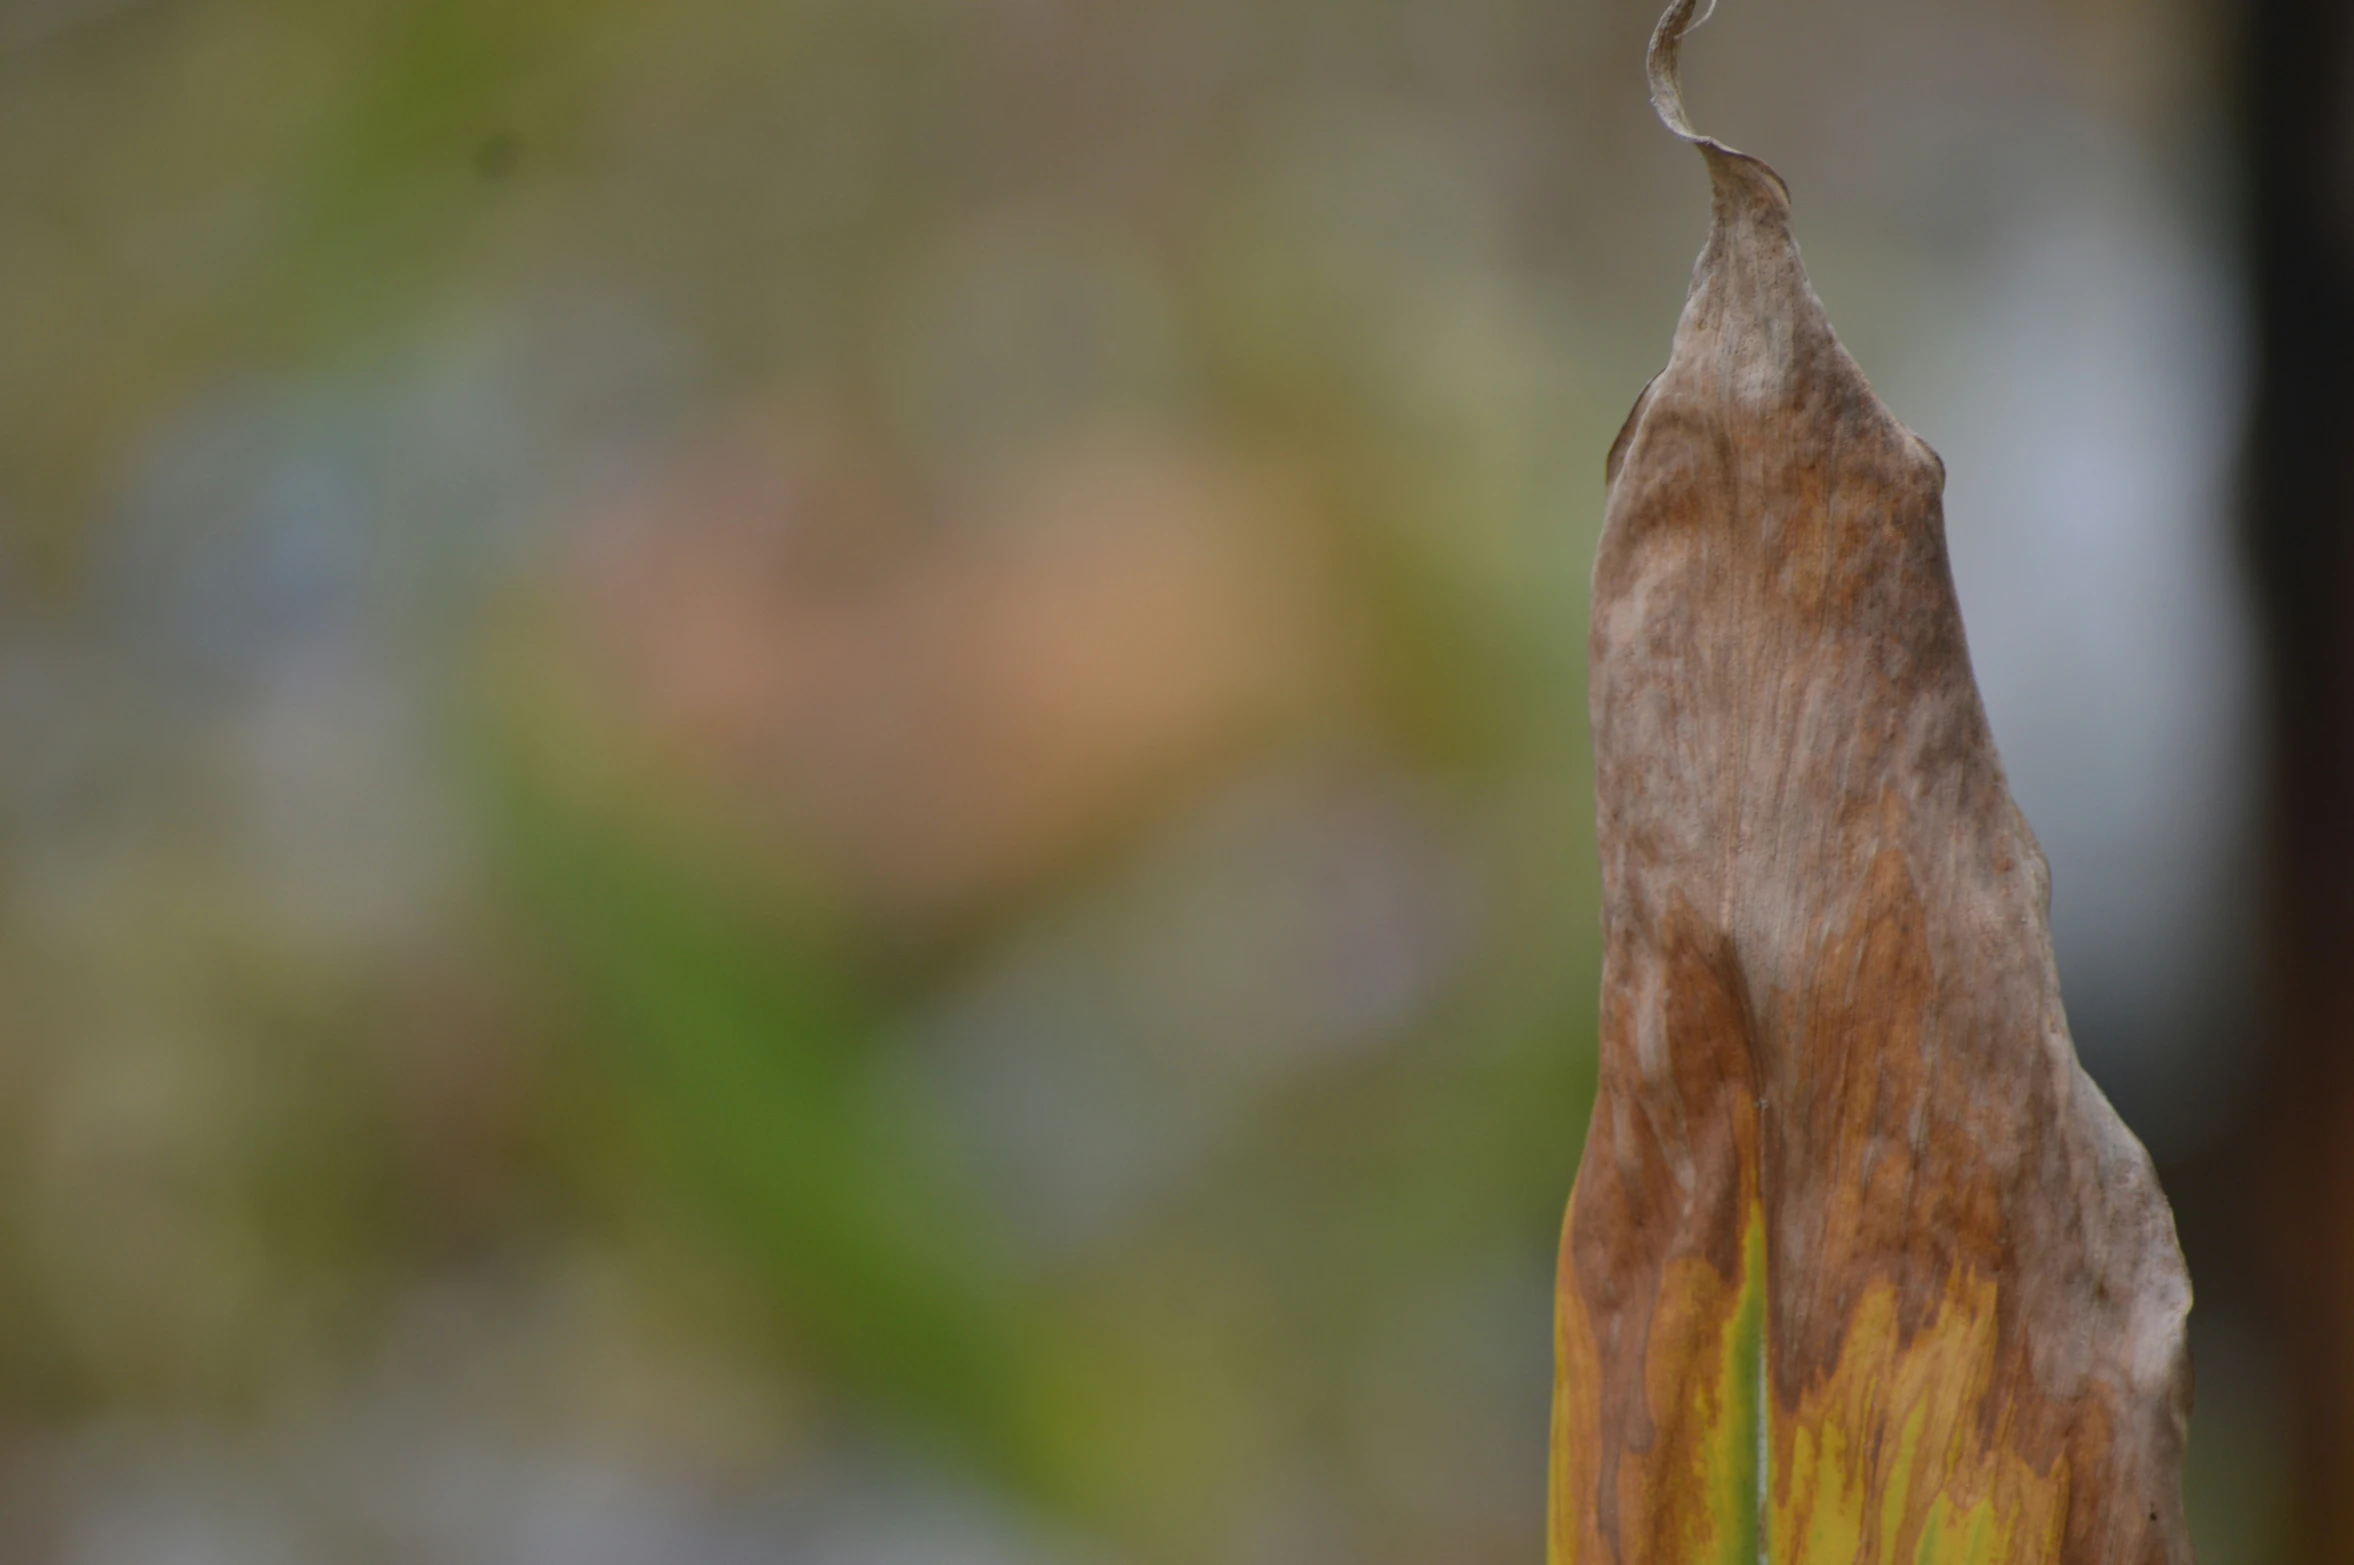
1860 1265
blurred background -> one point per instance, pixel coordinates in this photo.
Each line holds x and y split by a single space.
807 781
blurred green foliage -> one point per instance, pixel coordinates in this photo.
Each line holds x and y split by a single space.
775 763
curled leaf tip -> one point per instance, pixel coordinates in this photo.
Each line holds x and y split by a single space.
1736 171
1665 63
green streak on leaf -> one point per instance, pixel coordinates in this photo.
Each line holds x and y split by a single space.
1739 1462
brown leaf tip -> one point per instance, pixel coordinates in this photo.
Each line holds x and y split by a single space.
1664 63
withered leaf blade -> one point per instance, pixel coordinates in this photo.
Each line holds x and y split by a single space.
1860 1266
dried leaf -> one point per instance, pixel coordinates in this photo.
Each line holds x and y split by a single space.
1860 1265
